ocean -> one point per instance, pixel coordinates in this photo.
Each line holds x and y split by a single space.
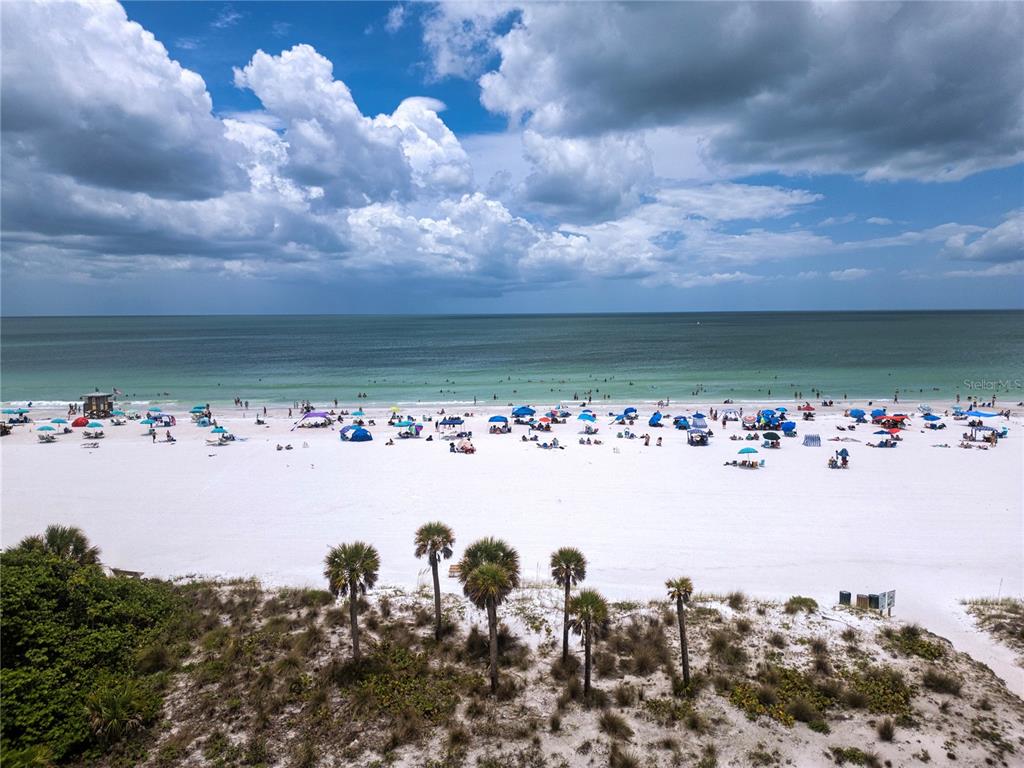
540 359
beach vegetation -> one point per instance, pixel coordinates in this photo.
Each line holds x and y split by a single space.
489 571
568 568
884 689
1002 617
854 756
588 615
737 601
797 603
936 680
909 640
63 542
614 725
435 540
680 590
351 570
622 758
886 729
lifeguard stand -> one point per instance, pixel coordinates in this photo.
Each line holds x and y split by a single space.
97 405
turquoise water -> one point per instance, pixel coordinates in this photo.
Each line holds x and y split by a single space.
518 358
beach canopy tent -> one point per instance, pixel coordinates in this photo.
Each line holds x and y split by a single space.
698 422
857 413
655 419
877 412
981 414
587 416
499 419
360 435
628 411
924 408
748 449
451 421
523 410
932 417
81 421
788 426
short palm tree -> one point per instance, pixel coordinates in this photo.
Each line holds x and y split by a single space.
680 590
351 569
568 568
588 612
435 540
489 571
65 542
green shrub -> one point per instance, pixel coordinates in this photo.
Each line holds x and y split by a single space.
797 603
941 682
853 756
909 641
884 690
615 726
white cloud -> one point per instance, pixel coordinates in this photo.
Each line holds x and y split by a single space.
1002 243
228 17
879 220
395 19
1009 269
849 274
438 161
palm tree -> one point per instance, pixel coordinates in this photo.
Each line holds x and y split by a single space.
435 541
589 611
680 590
351 569
65 542
489 571
568 568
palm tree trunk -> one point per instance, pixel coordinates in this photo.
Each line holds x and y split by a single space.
492 621
437 597
586 661
565 624
353 611
682 641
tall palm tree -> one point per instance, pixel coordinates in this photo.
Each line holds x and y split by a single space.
588 611
680 590
65 542
489 571
568 568
435 541
351 569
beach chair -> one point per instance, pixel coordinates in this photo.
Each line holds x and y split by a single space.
45 437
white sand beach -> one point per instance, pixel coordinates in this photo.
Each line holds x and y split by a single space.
934 524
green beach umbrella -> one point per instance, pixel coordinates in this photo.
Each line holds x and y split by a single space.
771 436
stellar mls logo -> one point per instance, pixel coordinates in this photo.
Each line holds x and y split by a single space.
994 384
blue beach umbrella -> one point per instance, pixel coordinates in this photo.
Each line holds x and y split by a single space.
58 420
198 409
523 410
146 421
882 432
748 450
857 413
844 453
629 410
94 425
358 413
587 416
405 423
117 413
782 409
877 412
218 431
498 419
45 428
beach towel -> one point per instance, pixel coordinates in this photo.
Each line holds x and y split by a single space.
812 441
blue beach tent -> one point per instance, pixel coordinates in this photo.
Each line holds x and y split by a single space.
498 419
523 410
655 419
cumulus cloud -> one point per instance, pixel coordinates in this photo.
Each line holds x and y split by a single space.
1002 243
437 159
90 94
881 90
849 274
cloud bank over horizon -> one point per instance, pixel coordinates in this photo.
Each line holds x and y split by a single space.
649 147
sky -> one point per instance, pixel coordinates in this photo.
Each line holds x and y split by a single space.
192 158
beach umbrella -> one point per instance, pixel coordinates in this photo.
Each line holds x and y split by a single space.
58 421
787 426
882 432
587 416
877 412
155 409
45 428
198 409
844 453
771 436
748 450
81 421
358 413
498 419
932 417
146 421
544 420
857 413
395 409
894 431
404 423
782 409
218 431
629 410
94 425
523 410
117 413
699 415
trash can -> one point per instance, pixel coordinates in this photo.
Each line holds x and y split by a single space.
862 601
844 598
875 602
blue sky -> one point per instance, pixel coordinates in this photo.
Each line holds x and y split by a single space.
382 157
